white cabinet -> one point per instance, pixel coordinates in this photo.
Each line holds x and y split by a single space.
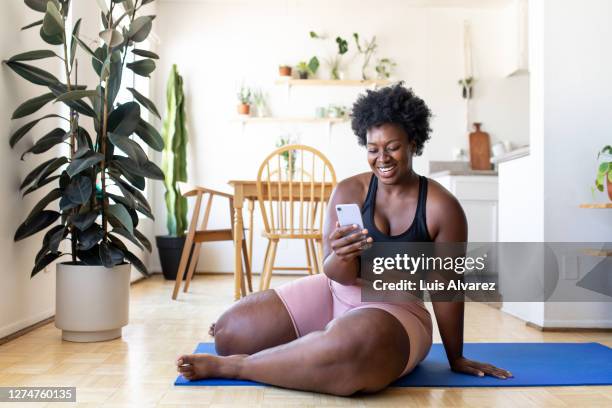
478 197
515 44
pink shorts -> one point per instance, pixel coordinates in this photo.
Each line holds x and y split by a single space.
314 301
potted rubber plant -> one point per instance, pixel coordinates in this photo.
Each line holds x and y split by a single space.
174 165
94 186
604 171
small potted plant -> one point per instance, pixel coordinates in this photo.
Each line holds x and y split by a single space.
384 67
604 171
245 99
306 70
466 87
284 70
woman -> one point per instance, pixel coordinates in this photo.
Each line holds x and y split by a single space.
314 333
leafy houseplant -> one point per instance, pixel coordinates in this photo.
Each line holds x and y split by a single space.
309 69
174 165
283 141
336 61
384 66
98 181
367 49
245 99
604 171
466 87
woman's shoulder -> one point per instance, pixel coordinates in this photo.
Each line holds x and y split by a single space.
442 207
353 189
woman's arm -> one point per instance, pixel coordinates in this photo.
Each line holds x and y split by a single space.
341 251
451 226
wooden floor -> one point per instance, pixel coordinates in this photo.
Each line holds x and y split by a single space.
138 370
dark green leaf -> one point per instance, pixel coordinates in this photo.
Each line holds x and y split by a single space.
126 234
40 184
46 200
136 263
44 262
148 170
22 131
37 5
150 135
85 47
34 24
37 223
83 139
119 213
141 209
136 181
127 202
79 190
89 238
83 221
74 42
33 55
142 67
53 23
140 28
51 39
32 105
124 119
110 255
56 237
78 105
129 147
90 256
54 137
43 170
33 74
116 75
76 95
65 204
132 193
145 53
144 101
143 240
85 162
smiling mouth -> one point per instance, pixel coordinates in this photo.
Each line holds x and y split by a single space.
384 170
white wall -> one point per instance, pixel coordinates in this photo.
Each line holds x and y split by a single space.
219 44
576 113
23 301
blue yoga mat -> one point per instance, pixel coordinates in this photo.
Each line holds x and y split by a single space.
532 364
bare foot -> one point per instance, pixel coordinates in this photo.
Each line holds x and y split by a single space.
211 330
198 366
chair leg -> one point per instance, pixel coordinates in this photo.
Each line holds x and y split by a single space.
263 268
320 254
183 264
270 265
195 256
314 256
308 258
247 266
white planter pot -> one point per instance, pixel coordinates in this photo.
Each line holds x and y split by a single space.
91 302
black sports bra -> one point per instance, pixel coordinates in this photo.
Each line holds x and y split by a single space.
417 232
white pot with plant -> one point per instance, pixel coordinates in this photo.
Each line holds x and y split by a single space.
604 171
98 188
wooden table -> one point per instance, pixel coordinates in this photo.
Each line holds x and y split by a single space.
247 190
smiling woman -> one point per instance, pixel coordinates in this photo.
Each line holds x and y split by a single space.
319 323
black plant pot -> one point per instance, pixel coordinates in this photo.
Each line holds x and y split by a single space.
170 250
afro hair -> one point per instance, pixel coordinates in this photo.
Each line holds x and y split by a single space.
392 104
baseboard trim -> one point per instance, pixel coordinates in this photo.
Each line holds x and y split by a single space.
566 329
43 322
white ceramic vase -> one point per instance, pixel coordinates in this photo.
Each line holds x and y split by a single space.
92 302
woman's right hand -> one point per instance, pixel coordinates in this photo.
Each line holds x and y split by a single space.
346 244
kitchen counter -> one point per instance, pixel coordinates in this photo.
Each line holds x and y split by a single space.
466 172
513 155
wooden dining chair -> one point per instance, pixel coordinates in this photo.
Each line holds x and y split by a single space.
294 184
197 235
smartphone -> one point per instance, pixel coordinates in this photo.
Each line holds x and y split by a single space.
349 214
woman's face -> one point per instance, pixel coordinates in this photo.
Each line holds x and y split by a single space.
389 153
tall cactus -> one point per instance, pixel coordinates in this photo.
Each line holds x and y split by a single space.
174 155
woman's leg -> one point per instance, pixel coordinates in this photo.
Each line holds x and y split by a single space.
256 322
363 350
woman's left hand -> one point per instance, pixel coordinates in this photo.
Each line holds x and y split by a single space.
464 365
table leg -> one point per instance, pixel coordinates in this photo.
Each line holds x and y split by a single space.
251 206
238 235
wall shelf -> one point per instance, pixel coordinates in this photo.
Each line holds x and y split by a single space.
596 205
333 82
271 119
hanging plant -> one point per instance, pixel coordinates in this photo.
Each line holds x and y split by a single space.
466 87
